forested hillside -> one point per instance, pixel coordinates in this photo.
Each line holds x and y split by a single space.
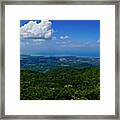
63 83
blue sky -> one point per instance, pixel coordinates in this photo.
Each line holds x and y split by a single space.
60 37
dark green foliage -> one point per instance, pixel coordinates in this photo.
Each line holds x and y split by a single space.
61 84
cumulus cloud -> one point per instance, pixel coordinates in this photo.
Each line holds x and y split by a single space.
32 29
64 37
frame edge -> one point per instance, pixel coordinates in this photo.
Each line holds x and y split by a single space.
2 55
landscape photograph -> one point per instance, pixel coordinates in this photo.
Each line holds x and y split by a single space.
59 60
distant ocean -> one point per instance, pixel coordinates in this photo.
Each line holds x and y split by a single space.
62 55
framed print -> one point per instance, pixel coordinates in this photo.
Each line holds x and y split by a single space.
60 60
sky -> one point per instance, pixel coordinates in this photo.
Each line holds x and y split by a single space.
60 37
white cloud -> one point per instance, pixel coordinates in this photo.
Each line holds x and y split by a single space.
37 43
62 42
64 37
38 40
83 45
76 46
32 29
54 38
